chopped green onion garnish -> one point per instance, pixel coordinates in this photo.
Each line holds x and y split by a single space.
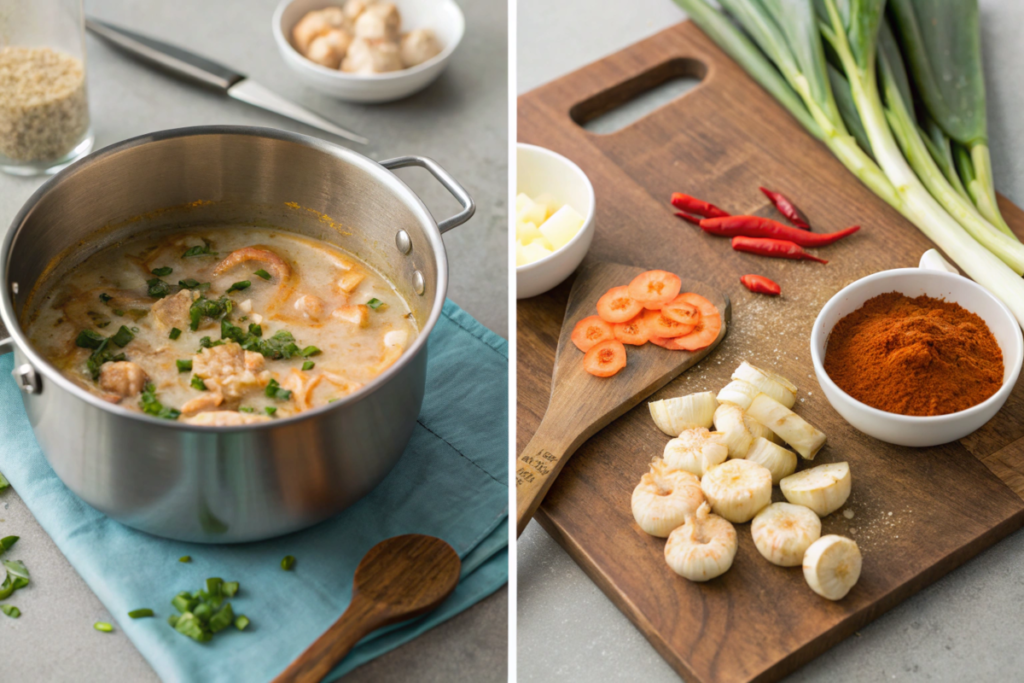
103 626
246 409
241 621
229 588
262 273
151 406
122 337
140 613
374 303
87 339
287 563
162 272
104 297
185 558
308 365
158 289
270 410
118 311
255 330
274 390
332 400
184 365
3 482
213 586
198 383
175 333
239 286
199 251
11 611
310 351
192 283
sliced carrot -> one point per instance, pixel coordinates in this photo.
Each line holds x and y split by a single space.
703 305
665 343
605 359
703 334
616 306
660 326
590 331
633 332
654 288
681 310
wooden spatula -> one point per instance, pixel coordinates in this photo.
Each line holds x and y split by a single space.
581 404
400 578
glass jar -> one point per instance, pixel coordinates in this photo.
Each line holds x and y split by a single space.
44 111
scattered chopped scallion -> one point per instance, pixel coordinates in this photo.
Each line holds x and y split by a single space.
11 611
3 482
104 297
239 286
241 621
274 390
262 273
103 626
308 365
151 406
158 289
122 337
270 410
199 250
6 542
310 351
229 588
246 409
374 303
197 383
287 563
141 613
162 272
175 333
185 558
184 365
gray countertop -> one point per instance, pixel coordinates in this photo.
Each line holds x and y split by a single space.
461 121
965 627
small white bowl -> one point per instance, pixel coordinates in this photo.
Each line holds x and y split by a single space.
907 430
541 171
442 16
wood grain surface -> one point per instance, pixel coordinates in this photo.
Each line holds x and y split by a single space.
917 513
581 404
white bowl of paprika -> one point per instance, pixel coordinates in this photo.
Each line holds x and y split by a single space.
940 418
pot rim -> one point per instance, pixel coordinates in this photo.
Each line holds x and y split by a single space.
343 154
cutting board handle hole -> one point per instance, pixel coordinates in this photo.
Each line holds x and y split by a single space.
622 105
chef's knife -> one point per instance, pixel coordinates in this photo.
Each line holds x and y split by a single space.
212 74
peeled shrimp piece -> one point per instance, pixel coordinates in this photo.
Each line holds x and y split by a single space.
277 265
310 306
703 548
696 451
380 21
123 378
329 49
372 56
316 24
418 46
207 401
664 498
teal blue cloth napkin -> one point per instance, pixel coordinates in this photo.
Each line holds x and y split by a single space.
451 482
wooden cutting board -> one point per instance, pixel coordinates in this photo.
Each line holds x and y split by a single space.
917 513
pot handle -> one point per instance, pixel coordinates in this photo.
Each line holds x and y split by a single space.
443 177
6 340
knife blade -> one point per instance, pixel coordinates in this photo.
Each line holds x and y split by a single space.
213 75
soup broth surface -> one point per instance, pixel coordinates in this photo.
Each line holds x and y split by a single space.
221 326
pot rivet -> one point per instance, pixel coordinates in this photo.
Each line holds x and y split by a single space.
27 378
14 287
417 283
403 242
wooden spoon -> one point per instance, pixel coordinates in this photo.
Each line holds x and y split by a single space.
581 405
400 578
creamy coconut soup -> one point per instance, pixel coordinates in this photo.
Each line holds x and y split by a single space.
221 326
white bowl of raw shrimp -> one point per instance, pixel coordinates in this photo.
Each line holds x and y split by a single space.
443 17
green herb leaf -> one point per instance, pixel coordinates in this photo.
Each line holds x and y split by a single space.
188 624
287 563
158 289
262 273
103 626
104 297
185 558
223 618
11 611
151 406
122 337
255 330
241 621
207 308
270 410
162 272
246 409
374 303
175 333
140 613
308 365
192 283
6 542
16 570
310 351
3 482
239 286
184 365
118 311
274 390
198 383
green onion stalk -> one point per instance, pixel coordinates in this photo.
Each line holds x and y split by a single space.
788 33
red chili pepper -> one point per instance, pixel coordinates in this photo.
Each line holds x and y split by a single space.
759 284
763 246
698 206
689 217
787 209
756 226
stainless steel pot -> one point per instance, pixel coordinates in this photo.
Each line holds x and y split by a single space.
211 484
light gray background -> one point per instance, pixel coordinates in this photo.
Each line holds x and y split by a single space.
966 627
461 121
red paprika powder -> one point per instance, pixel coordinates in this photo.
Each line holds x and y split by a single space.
919 356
